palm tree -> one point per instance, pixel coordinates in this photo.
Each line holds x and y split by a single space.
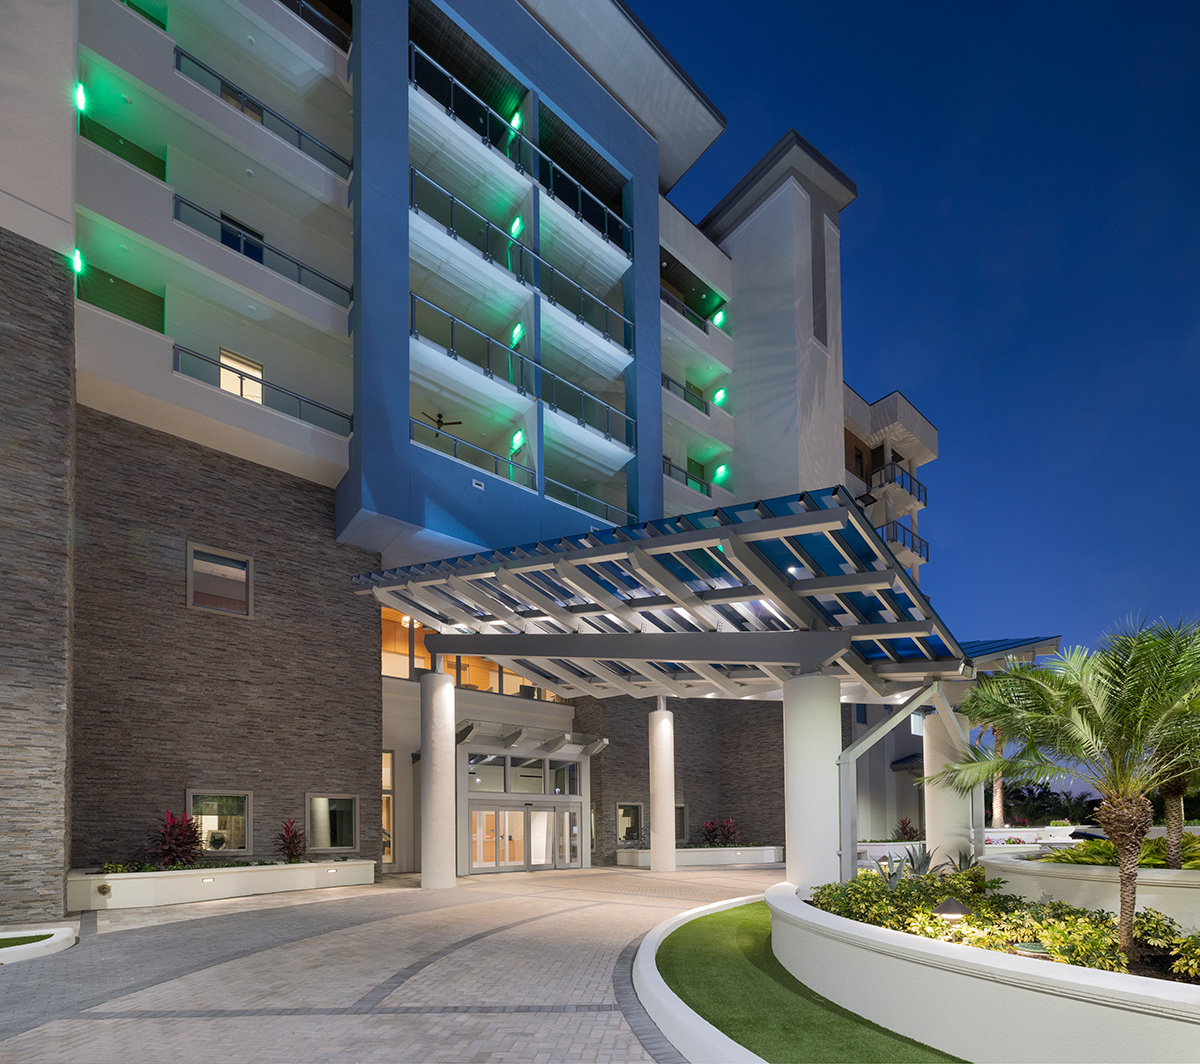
1173 792
1123 720
998 820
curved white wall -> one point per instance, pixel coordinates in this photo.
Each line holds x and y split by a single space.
939 993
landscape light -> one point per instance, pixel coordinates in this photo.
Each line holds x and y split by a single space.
518 224
518 331
80 97
719 396
718 319
952 910
77 261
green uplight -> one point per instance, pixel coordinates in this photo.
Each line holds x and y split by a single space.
80 97
516 227
719 396
515 121
518 332
518 440
77 261
720 472
718 319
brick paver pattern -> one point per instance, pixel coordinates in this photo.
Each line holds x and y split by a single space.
521 967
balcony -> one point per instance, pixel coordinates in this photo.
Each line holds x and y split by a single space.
503 135
678 305
246 243
497 245
441 441
589 503
670 469
333 30
498 360
909 548
685 393
259 112
228 378
894 473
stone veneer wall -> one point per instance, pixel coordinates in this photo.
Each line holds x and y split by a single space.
728 762
37 411
168 697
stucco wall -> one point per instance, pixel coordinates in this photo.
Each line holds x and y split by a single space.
169 697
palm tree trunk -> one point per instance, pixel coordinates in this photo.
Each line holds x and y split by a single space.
1172 793
998 787
1126 819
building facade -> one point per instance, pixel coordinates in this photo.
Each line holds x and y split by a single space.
293 292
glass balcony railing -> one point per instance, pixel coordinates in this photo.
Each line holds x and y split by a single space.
675 472
254 247
685 393
894 473
498 245
588 503
440 440
895 532
464 106
496 359
673 301
320 22
249 386
253 108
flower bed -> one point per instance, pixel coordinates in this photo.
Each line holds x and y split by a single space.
931 990
707 855
127 890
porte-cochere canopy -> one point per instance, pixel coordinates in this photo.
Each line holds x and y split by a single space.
727 602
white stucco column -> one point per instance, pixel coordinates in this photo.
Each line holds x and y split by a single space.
812 741
947 813
662 788
438 790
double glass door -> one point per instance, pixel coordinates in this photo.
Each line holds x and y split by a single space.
524 838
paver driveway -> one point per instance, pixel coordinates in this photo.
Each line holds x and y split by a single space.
521 967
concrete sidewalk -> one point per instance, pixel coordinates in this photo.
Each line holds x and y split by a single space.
522 967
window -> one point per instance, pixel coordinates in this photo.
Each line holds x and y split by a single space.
485 772
629 824
564 777
218 580
916 723
241 376
858 464
241 238
234 96
224 818
528 776
332 821
681 825
860 713
389 761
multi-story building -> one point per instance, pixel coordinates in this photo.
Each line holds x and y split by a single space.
292 292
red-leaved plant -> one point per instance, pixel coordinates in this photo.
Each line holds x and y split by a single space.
719 832
176 842
290 843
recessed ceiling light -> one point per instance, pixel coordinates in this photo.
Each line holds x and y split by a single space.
249 172
123 247
249 39
251 307
125 99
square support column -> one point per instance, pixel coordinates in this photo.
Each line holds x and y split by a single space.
812 741
947 813
662 788
439 822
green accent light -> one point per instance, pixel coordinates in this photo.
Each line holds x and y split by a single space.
719 396
516 227
77 261
718 319
720 472
518 440
80 97
515 121
518 333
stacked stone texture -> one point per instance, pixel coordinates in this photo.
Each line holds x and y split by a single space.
169 697
37 351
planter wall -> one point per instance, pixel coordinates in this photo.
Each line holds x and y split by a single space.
707 855
935 992
1175 892
131 890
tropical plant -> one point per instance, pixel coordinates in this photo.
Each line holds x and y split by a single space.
919 858
290 843
176 842
1102 852
891 870
719 832
966 859
1173 792
1121 720
1186 952
905 831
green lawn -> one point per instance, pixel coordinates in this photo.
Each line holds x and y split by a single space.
722 966
22 940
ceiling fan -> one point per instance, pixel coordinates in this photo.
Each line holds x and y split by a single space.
438 421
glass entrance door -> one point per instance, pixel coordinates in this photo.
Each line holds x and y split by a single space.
528 839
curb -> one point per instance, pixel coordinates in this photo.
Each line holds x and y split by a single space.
61 938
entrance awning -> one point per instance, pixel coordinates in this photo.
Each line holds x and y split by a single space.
727 602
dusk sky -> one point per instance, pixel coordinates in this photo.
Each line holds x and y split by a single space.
1022 261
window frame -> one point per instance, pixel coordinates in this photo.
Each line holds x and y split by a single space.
357 799
681 807
226 792
192 547
636 844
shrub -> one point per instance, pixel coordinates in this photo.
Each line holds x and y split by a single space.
719 832
1186 952
1103 852
176 843
905 832
290 843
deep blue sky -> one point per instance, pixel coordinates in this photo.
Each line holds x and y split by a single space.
1022 261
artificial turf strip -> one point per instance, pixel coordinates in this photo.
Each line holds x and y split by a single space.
722 966
22 940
